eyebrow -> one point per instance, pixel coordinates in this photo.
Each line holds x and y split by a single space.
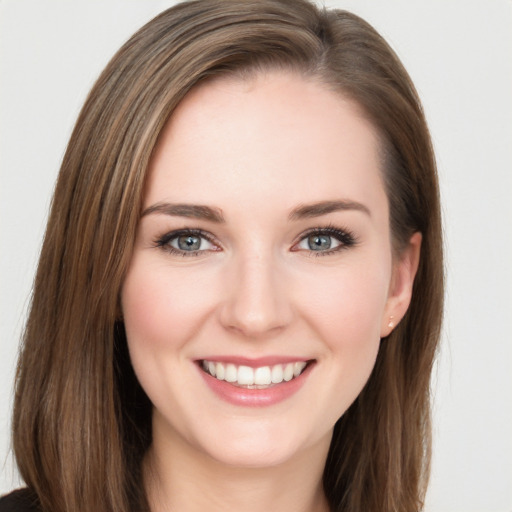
324 207
212 214
193 211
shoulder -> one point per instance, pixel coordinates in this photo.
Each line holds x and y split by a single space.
22 500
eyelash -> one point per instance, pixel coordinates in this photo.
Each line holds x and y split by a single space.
344 236
163 242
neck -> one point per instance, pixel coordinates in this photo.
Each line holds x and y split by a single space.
184 480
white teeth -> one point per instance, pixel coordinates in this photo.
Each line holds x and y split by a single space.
277 374
262 376
245 376
231 373
288 372
220 371
298 367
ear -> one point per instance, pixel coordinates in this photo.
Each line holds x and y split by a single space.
400 289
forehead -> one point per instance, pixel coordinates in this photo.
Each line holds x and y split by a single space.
271 132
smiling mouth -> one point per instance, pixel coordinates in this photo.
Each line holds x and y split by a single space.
261 377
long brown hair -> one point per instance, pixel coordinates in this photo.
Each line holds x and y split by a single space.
82 424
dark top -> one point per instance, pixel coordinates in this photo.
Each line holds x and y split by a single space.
21 500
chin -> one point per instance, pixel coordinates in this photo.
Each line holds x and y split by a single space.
253 457
261 447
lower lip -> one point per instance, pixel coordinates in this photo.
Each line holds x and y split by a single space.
255 397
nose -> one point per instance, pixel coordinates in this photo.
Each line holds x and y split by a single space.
256 303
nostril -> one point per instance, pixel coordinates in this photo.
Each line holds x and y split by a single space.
252 319
255 300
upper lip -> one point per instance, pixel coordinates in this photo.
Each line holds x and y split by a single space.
255 362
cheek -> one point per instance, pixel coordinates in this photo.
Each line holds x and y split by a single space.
347 304
161 308
345 311
347 318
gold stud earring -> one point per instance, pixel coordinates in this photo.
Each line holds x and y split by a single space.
391 324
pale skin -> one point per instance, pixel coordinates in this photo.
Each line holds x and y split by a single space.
285 251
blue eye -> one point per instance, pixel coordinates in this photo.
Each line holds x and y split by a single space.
319 242
190 243
186 242
325 241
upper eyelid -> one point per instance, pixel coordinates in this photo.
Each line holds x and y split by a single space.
194 231
329 230
171 235
345 236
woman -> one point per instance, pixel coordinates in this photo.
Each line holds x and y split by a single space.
239 295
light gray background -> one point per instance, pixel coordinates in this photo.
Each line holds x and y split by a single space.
459 53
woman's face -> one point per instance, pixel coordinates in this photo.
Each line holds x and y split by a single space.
262 277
